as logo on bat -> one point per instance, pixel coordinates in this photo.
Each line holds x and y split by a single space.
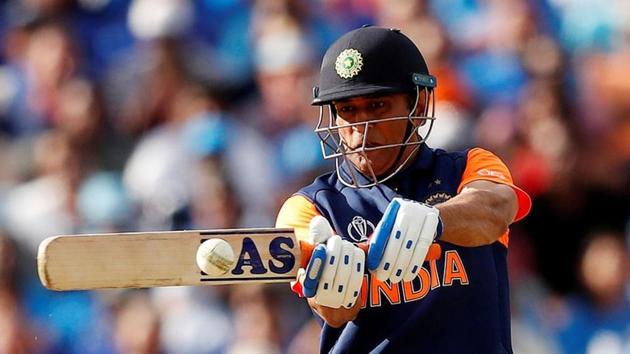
280 261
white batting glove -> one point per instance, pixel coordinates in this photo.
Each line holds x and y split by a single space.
402 239
334 273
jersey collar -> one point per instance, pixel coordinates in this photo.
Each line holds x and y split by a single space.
422 161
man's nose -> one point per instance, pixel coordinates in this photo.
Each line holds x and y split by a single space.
360 128
363 119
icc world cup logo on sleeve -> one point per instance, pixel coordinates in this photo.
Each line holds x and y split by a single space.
359 229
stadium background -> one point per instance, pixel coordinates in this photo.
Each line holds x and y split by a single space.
120 115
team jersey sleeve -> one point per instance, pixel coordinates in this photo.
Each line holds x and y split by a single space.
296 213
484 165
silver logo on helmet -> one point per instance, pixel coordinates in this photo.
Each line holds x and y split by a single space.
359 229
349 63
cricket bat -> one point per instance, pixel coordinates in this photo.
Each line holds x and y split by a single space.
168 258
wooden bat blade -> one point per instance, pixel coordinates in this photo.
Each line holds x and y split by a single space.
150 259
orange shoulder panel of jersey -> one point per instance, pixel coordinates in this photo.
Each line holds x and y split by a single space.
297 212
484 165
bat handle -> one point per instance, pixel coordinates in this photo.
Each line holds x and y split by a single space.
306 248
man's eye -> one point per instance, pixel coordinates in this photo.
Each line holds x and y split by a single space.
346 109
377 105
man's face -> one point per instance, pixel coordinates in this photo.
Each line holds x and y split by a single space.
369 108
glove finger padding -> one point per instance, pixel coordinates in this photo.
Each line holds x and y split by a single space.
379 239
394 244
356 278
426 237
326 294
405 260
342 276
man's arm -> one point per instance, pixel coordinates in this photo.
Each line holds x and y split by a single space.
335 318
479 215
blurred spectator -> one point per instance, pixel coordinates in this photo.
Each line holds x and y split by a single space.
345 15
194 320
286 117
113 212
265 318
150 100
35 320
599 320
317 21
160 172
15 334
256 323
45 57
228 38
306 341
136 325
78 113
15 337
600 30
157 174
533 308
45 205
168 18
282 113
227 154
214 204
453 99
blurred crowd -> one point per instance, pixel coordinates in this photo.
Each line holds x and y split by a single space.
132 115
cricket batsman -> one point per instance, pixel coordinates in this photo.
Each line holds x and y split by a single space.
377 103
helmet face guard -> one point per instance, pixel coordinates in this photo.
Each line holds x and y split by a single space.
372 61
335 147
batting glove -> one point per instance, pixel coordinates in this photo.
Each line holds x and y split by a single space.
334 273
402 239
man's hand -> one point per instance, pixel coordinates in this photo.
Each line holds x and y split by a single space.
334 273
335 317
333 277
402 239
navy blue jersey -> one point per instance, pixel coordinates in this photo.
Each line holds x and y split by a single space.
457 304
